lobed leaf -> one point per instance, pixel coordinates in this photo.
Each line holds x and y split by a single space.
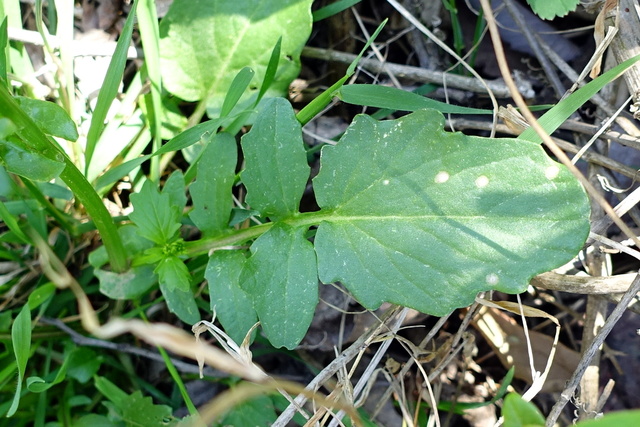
173 274
281 278
174 188
549 9
276 170
427 219
157 218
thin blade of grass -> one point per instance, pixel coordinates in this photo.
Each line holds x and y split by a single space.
272 68
238 87
149 33
4 49
553 118
179 142
269 76
10 221
110 86
397 99
21 341
333 9
314 107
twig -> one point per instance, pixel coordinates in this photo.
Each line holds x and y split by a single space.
415 73
373 364
617 313
583 285
535 46
336 364
82 340
78 47
409 364
626 45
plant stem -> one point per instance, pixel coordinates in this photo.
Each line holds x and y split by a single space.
77 183
237 237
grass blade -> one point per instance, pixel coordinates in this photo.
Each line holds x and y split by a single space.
4 49
553 118
272 68
237 88
322 100
110 86
150 35
333 9
21 341
397 99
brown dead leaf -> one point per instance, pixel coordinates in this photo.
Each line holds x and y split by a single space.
599 32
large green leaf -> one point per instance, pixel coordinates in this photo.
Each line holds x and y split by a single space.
276 170
205 43
281 277
427 219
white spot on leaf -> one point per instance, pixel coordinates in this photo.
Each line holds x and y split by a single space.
385 182
492 279
551 172
441 177
482 181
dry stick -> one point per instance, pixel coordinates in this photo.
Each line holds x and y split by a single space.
535 46
621 208
584 285
405 368
595 313
413 73
626 45
373 364
359 345
374 48
617 312
85 341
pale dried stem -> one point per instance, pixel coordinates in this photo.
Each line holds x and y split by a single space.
595 313
552 76
617 313
626 45
394 326
336 364
415 74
